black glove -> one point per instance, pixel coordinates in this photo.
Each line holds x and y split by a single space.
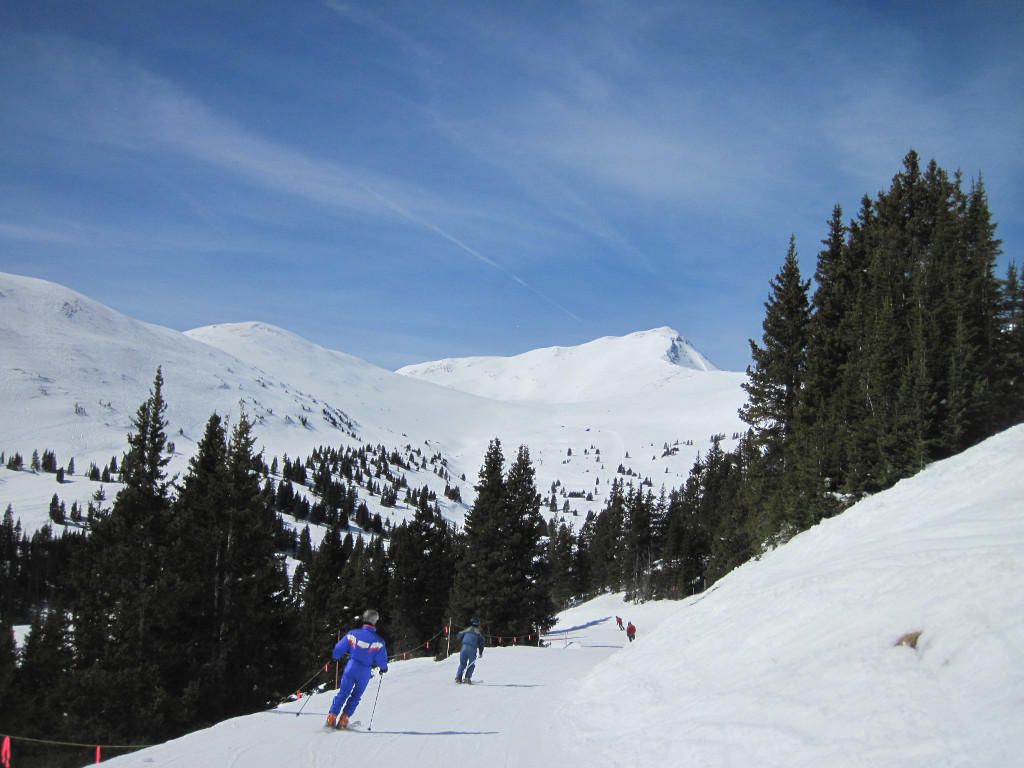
382 671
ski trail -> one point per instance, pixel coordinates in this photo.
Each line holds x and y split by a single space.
422 717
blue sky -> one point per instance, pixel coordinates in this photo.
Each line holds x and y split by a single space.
405 181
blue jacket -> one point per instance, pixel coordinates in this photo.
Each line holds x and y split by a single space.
365 648
471 637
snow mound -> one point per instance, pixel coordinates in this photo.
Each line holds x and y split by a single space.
795 660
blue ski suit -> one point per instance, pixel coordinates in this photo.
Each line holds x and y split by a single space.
366 649
472 641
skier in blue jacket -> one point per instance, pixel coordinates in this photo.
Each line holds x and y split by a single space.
366 650
472 641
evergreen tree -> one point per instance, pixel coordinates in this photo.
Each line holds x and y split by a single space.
1009 400
978 312
364 581
9 710
583 560
502 575
422 554
323 612
529 585
305 549
191 580
56 514
916 369
561 556
687 544
10 535
607 557
779 366
638 544
117 599
483 553
722 513
254 658
774 385
821 428
44 677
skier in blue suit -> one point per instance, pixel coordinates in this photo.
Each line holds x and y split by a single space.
472 641
366 650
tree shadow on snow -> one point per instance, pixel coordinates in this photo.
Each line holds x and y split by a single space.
429 733
293 713
561 631
510 685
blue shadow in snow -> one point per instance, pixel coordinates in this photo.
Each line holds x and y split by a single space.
561 631
294 714
510 685
428 733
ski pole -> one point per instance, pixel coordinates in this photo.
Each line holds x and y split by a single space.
314 677
369 726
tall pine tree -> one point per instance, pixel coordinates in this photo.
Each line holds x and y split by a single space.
530 571
117 599
773 387
502 574
482 556
422 553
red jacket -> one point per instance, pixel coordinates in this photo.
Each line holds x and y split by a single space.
630 630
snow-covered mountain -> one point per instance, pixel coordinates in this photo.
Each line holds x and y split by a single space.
73 373
608 368
793 660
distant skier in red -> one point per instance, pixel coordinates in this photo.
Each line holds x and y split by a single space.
630 631
618 622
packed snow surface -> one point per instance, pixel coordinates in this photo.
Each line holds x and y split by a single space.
789 661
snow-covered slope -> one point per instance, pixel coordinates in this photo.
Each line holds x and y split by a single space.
610 367
789 661
73 373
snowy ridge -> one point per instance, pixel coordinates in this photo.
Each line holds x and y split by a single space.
610 367
788 661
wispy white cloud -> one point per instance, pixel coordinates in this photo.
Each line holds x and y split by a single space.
360 15
11 231
138 111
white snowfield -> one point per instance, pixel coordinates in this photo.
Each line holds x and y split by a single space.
789 661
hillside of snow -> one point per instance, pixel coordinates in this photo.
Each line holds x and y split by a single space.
609 368
792 660
73 373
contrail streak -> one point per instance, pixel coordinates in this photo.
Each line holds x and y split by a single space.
427 224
